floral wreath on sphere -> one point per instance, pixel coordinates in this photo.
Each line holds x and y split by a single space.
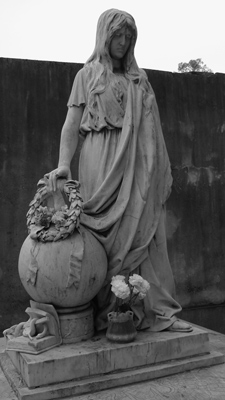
48 224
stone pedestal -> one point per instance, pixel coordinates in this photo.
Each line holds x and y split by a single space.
98 364
76 326
68 325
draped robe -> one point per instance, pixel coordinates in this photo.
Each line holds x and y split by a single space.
125 178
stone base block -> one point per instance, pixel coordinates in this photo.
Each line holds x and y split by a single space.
77 326
98 364
72 389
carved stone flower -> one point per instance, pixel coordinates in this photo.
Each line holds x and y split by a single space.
43 217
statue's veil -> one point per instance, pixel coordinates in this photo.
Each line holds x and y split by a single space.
109 22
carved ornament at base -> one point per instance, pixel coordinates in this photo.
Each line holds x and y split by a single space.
40 333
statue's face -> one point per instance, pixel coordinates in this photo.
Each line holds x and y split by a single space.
120 43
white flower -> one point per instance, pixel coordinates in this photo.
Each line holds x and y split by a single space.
118 278
119 287
141 296
139 284
136 288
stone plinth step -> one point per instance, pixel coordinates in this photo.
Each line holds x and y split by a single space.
98 356
97 364
95 384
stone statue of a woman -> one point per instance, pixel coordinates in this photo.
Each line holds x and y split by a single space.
124 170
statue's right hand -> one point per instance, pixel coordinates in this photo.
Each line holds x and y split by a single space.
60 172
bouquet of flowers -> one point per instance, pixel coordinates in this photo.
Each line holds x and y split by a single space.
127 293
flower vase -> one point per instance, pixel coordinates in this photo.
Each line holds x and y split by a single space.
121 327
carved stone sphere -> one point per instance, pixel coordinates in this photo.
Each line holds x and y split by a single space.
66 273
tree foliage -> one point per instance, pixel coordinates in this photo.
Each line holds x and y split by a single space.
193 66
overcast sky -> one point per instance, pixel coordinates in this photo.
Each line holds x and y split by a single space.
169 31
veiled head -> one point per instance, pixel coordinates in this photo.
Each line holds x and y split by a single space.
109 23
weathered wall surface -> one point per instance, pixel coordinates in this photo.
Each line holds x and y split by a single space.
192 108
33 97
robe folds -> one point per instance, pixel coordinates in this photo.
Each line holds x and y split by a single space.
125 178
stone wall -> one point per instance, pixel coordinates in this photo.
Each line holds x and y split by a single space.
192 108
33 97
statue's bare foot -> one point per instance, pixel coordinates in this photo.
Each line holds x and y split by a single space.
179 326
